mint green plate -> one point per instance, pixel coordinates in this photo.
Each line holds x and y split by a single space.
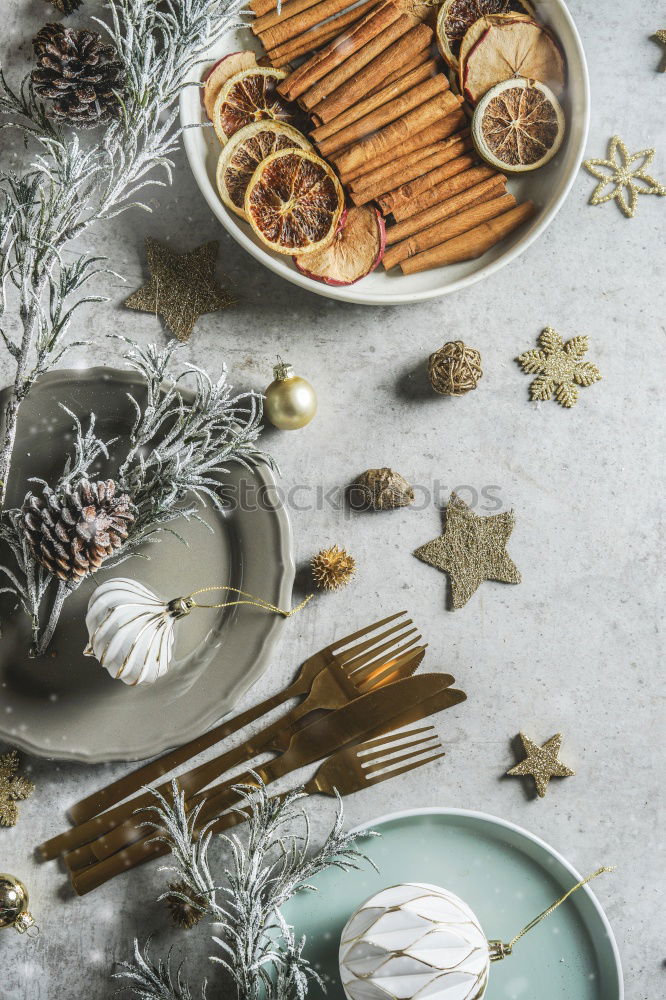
507 875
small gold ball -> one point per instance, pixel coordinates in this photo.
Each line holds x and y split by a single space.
13 900
454 369
290 401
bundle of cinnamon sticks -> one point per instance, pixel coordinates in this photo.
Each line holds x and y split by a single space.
387 120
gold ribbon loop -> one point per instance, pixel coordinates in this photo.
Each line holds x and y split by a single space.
256 602
498 950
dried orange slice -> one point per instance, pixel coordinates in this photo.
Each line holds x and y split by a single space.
218 75
249 96
456 16
516 48
518 125
244 152
294 202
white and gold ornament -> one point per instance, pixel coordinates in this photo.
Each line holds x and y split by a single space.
290 401
414 940
131 630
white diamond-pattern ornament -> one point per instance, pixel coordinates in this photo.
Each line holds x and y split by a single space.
414 942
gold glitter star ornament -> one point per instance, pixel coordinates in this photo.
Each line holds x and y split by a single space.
541 763
661 37
623 171
471 549
182 286
13 788
559 368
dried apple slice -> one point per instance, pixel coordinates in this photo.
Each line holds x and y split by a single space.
247 97
518 125
456 16
218 75
518 48
294 202
356 249
244 152
473 34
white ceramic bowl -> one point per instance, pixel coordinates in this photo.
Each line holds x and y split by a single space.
547 187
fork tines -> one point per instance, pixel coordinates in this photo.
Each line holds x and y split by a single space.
380 757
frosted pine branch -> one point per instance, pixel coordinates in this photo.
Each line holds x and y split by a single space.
259 950
68 187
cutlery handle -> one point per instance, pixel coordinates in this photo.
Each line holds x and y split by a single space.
123 787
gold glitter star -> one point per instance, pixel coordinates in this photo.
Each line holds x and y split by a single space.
559 367
182 286
619 171
471 549
13 788
661 37
541 762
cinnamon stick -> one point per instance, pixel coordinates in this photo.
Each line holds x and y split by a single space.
380 97
385 114
260 7
359 78
417 60
389 139
289 9
443 191
293 26
446 230
311 40
405 195
471 244
483 191
350 70
406 168
341 48
440 129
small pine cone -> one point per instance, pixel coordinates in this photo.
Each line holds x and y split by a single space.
72 533
332 568
66 6
80 75
183 913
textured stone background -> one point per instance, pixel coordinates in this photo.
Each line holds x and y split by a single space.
574 648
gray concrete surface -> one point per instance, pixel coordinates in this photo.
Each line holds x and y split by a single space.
575 648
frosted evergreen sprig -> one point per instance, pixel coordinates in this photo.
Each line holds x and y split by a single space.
181 444
260 952
67 186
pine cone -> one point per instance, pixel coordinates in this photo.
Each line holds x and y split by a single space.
78 73
66 6
72 533
183 913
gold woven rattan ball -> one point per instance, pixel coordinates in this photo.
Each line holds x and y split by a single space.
454 369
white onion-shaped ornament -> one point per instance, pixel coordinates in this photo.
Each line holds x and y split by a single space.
414 941
131 630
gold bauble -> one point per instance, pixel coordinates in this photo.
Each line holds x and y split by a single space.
290 401
14 904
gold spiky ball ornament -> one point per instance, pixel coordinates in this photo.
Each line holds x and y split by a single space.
332 568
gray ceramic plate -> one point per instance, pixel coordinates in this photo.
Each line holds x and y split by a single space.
65 705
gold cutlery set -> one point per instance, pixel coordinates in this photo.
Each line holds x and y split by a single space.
358 695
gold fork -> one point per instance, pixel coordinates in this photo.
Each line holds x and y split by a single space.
342 676
346 771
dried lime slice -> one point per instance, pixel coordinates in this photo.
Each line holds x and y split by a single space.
518 125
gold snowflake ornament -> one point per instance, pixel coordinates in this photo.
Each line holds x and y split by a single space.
559 368
13 788
623 171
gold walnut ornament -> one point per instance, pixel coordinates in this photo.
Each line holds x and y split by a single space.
290 401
